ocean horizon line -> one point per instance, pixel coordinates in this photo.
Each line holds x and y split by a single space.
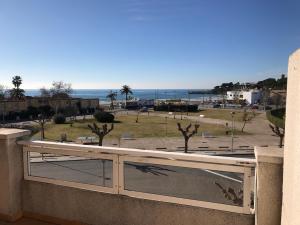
84 89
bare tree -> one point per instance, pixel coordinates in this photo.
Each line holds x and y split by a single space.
187 134
45 114
42 120
61 90
101 132
45 93
246 118
278 132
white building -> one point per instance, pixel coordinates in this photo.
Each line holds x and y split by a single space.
250 96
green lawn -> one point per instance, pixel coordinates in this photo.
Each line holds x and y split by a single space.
223 114
148 126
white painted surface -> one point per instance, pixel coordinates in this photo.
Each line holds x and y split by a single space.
291 176
251 96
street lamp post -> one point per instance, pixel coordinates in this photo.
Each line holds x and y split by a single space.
166 126
232 130
201 116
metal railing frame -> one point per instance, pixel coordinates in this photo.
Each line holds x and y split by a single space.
120 155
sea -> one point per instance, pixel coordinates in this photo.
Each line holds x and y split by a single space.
184 94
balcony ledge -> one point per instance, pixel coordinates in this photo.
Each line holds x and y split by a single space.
272 154
8 133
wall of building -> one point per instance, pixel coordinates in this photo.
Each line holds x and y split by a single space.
107 209
291 177
248 96
251 96
233 95
20 105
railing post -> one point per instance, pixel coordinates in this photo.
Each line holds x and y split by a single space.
11 174
269 175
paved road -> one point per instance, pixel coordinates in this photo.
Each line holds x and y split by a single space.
181 182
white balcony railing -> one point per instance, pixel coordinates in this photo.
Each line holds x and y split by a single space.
221 183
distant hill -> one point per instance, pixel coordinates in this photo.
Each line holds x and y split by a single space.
270 83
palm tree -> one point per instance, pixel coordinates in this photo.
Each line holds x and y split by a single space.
125 91
17 92
112 96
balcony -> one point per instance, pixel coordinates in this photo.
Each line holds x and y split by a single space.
75 184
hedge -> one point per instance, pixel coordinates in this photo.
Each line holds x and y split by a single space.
277 117
176 108
59 119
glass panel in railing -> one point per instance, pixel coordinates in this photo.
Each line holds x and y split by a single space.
72 168
182 182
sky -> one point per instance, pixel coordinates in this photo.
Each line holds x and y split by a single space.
192 44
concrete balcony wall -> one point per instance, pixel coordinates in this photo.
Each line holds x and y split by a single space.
66 205
49 201
291 177
11 174
269 170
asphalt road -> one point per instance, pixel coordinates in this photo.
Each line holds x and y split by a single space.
174 181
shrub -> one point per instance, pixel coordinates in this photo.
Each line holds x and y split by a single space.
104 117
59 119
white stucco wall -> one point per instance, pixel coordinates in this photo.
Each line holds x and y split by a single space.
251 96
291 177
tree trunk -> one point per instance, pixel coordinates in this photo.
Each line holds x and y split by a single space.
112 104
244 126
281 142
186 140
100 140
42 132
137 118
126 100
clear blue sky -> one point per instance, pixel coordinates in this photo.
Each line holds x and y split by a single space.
146 43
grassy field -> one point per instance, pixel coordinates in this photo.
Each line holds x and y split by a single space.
148 126
222 114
